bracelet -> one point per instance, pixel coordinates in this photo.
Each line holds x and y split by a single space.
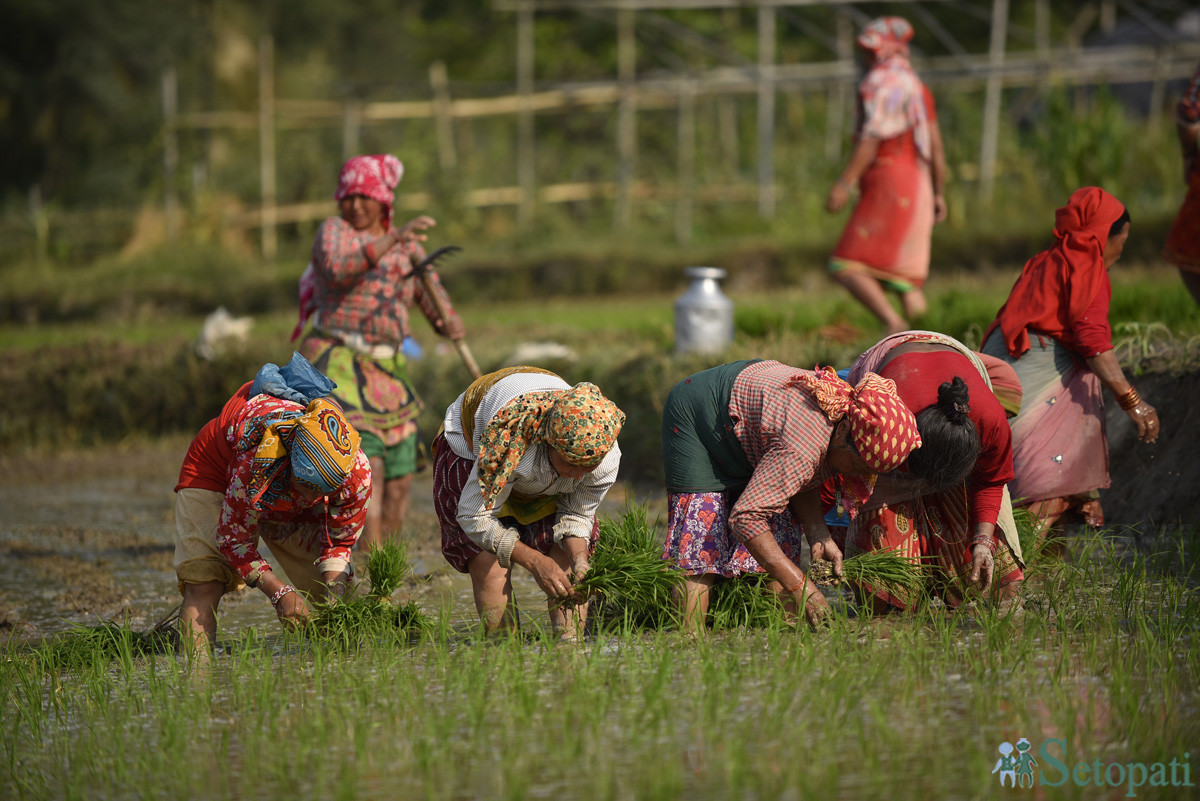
988 541
1131 399
797 585
279 593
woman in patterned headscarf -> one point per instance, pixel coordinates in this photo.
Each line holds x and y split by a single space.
520 467
899 167
1054 331
746 449
355 298
280 463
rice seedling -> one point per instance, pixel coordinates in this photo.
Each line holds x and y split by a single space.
357 617
630 583
84 647
745 602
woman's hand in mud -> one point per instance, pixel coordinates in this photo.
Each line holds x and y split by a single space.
337 583
817 610
1146 419
983 565
826 549
553 580
293 612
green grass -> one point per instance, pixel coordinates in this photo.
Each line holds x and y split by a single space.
1104 661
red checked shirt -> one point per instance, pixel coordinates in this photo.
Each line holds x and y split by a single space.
335 520
363 293
785 436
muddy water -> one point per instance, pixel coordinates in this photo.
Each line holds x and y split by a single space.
87 537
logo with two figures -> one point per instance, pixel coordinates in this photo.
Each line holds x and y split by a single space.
1016 768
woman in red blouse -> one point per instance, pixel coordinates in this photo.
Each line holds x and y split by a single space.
1183 240
948 506
360 286
279 463
1054 331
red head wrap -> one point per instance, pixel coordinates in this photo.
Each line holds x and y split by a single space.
1058 285
375 177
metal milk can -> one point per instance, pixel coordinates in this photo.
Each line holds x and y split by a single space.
703 314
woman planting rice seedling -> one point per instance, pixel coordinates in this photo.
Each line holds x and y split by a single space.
1054 331
948 508
520 467
746 449
279 463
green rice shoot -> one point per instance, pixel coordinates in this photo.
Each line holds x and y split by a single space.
359 617
631 585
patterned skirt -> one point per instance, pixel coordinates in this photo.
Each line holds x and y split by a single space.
700 542
377 395
450 475
934 530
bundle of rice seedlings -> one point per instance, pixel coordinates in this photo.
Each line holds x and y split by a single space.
85 646
885 569
631 584
744 602
358 617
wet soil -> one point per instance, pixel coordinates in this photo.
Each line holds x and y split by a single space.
88 536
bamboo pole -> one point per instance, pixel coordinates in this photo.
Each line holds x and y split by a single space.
626 117
837 93
686 163
439 81
766 112
526 168
991 104
170 98
352 114
266 141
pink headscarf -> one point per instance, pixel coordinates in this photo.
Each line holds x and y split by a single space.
886 37
372 176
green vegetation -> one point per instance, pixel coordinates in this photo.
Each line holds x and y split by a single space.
630 586
363 616
1104 659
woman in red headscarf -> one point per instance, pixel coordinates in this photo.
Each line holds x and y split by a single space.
1054 331
360 285
899 167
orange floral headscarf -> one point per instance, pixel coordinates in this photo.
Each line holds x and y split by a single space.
579 422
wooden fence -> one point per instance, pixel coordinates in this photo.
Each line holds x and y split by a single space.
1001 67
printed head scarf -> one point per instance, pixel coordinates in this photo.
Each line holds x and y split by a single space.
579 422
1057 286
318 444
375 177
882 428
886 37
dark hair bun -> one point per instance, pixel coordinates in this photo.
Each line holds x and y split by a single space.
955 400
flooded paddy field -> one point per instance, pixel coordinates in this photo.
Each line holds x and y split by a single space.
1090 691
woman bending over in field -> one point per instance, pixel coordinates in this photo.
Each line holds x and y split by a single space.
948 507
282 464
520 468
746 449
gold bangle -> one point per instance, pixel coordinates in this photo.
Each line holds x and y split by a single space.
1130 399
797 585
